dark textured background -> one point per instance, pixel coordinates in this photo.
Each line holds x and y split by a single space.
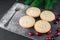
4 6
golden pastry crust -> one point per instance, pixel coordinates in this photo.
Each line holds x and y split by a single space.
33 11
42 26
26 21
47 16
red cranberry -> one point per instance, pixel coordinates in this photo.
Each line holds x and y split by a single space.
52 38
49 32
37 34
57 34
59 15
55 22
58 29
30 34
59 18
48 38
